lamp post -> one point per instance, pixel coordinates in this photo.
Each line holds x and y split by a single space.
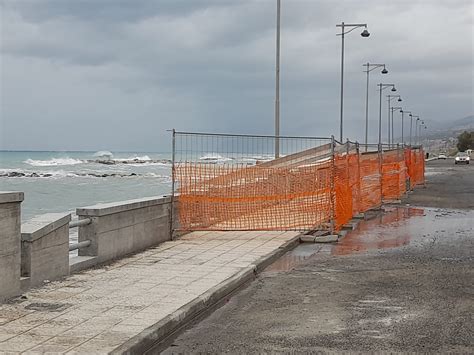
416 129
403 112
390 98
369 68
411 125
364 33
382 87
277 85
394 109
418 132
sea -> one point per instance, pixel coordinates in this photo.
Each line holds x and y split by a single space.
63 181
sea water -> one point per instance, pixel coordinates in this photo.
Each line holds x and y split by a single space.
63 181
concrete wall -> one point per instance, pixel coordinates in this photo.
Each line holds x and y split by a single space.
121 228
10 220
44 249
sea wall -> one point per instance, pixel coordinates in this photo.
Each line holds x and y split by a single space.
10 254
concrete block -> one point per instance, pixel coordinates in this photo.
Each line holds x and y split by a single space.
10 255
45 248
121 228
307 238
331 238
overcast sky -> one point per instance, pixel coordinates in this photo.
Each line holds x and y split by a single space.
116 74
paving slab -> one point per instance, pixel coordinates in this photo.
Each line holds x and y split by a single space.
123 305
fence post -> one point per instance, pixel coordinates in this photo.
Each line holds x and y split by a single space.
359 193
172 208
380 172
332 194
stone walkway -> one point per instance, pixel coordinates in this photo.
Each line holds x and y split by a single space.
98 310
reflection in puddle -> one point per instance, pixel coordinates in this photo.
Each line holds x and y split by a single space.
396 227
381 232
294 257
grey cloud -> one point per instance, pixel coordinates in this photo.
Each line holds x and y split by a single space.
132 69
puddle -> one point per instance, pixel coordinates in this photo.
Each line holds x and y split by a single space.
395 227
294 257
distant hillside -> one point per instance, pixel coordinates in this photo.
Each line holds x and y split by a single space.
451 129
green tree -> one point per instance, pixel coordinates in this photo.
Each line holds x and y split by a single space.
465 141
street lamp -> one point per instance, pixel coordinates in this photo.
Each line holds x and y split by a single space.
418 130
394 109
411 124
403 112
364 34
369 68
382 87
390 98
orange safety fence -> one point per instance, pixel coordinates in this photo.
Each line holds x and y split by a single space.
239 197
316 187
393 167
370 188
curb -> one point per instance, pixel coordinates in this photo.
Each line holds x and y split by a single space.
172 323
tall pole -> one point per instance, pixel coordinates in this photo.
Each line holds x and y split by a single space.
393 142
388 116
367 109
411 127
342 83
380 115
277 85
403 142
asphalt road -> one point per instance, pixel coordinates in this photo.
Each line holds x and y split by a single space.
401 282
448 186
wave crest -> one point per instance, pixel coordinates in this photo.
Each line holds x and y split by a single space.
54 162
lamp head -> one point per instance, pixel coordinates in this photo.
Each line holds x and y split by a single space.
393 89
365 33
399 99
384 71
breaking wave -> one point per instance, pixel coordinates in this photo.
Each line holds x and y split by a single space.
54 162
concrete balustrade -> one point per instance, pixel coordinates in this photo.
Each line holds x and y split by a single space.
38 250
10 220
121 228
44 249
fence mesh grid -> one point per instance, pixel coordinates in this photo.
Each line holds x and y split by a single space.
234 182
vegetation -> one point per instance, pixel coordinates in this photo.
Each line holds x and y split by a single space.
465 141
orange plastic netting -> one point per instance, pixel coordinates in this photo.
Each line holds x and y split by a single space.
370 188
240 197
300 194
393 167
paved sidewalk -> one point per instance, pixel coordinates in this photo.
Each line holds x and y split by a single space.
100 309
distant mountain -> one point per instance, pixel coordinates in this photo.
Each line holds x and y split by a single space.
466 123
450 129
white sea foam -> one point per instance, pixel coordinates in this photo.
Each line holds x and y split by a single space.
149 164
139 158
54 162
103 154
215 158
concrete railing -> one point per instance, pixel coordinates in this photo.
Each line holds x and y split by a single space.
39 252
44 249
125 227
10 250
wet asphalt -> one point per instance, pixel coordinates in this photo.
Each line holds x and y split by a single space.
401 282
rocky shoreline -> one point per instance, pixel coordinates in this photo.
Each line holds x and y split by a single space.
128 161
17 174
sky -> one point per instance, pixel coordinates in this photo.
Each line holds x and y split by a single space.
117 74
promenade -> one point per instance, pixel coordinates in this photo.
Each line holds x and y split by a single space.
125 305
